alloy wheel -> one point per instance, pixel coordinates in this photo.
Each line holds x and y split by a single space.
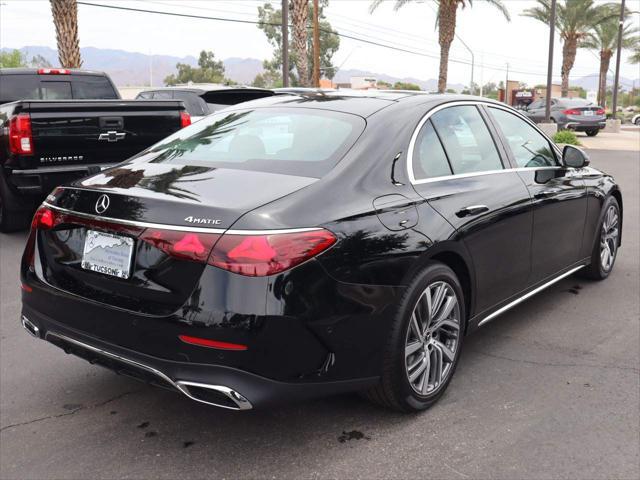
609 238
432 338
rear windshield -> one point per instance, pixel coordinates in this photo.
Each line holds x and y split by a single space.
55 87
298 141
576 102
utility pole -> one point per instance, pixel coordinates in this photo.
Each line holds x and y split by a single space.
506 85
285 43
618 52
552 32
473 62
316 46
481 74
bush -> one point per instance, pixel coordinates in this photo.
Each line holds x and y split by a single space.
567 137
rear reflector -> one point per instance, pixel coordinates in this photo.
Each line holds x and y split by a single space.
185 119
26 288
261 255
53 71
20 136
205 342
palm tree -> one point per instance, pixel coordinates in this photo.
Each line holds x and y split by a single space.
447 11
604 38
574 20
299 15
65 18
635 56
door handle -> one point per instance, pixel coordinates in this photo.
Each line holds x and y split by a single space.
472 210
547 193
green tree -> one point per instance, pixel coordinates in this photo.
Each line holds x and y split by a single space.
635 56
447 11
383 85
604 40
270 20
406 86
38 61
209 70
574 20
12 59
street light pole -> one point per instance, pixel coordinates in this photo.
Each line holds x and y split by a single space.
473 62
552 32
618 52
285 43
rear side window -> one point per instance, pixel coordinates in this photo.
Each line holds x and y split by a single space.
466 139
530 149
429 159
166 95
304 142
144 96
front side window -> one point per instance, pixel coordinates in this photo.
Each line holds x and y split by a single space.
192 102
429 159
466 140
529 147
304 142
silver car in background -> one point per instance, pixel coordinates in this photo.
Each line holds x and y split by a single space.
575 114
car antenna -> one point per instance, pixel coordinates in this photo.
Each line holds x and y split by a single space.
393 170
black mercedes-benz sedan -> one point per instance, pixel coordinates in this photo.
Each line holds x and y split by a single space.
315 243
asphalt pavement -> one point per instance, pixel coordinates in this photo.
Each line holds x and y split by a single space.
550 389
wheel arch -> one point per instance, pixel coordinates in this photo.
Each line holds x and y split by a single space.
615 193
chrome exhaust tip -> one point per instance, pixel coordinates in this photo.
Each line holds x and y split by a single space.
30 327
216 395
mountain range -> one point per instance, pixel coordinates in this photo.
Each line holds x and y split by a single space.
136 69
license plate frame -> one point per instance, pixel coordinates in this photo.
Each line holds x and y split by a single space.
588 113
108 253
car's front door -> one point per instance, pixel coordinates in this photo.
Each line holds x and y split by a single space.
457 167
558 194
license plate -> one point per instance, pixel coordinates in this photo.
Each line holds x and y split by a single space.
107 254
588 113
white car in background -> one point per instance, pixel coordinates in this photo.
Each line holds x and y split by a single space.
636 120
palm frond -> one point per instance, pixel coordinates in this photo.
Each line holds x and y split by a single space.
499 4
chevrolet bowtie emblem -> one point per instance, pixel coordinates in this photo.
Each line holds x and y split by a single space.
112 136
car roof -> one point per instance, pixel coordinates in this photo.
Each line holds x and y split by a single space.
358 102
34 71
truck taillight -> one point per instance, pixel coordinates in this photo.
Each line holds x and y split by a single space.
54 71
20 137
185 119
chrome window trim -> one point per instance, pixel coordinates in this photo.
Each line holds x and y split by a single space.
476 103
180 228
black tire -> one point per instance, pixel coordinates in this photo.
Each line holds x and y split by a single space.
637 122
395 390
595 270
11 218
593 132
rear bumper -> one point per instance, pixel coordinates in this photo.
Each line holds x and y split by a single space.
214 385
583 126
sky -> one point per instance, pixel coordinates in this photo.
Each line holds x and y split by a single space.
522 44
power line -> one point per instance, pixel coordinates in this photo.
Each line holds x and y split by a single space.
343 35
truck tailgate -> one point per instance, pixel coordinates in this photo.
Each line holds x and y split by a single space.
98 131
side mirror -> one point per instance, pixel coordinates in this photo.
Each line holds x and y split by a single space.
574 157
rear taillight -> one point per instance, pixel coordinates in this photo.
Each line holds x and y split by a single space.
20 137
571 111
185 119
183 245
54 71
260 255
600 111
250 255
44 219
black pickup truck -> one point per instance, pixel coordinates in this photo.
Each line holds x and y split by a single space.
66 124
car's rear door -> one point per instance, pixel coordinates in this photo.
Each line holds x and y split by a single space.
558 194
457 166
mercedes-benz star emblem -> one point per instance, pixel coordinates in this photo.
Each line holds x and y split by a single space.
102 204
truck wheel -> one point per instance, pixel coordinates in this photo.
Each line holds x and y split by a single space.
10 219
593 132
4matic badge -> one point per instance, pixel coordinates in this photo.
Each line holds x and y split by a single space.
206 221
